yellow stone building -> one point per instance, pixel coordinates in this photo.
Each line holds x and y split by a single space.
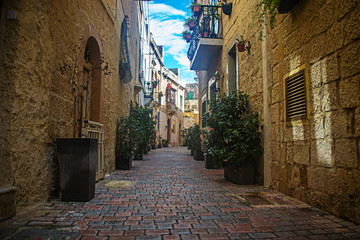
303 79
36 102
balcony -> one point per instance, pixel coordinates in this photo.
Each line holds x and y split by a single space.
206 40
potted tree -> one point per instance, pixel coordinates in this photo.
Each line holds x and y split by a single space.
143 128
196 143
77 156
234 140
124 148
186 35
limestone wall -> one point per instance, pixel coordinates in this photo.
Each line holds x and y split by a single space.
317 159
35 100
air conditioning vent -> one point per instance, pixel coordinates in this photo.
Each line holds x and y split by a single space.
296 96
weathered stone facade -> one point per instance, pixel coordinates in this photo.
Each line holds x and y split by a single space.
315 158
36 103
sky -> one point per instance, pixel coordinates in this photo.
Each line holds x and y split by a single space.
166 23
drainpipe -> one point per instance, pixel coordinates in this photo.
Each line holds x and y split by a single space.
267 109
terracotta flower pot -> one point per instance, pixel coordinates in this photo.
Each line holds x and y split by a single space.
188 38
206 34
241 47
192 25
196 10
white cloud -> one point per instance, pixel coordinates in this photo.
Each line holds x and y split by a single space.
166 24
164 9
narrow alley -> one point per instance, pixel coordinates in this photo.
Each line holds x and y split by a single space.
170 196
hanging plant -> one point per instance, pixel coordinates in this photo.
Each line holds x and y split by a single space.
186 35
195 8
264 8
190 23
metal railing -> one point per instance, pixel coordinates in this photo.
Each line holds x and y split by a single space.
208 25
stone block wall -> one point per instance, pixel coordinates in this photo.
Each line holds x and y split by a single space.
317 159
36 102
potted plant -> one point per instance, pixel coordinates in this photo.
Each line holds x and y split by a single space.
153 140
165 142
196 143
143 129
77 156
234 140
186 35
159 142
210 162
124 148
190 23
195 8
271 8
240 44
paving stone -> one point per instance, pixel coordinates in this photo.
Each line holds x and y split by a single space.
174 197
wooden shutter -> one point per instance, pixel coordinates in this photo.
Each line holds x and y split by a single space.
296 96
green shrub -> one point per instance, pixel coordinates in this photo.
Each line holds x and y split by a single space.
233 138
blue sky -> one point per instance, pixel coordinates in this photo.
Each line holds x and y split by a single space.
166 23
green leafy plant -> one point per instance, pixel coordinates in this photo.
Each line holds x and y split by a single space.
186 35
264 7
124 148
233 139
143 127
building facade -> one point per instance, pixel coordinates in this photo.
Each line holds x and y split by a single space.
166 96
191 104
50 52
303 79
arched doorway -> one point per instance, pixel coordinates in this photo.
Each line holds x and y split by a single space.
92 97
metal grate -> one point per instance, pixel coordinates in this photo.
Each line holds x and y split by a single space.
296 95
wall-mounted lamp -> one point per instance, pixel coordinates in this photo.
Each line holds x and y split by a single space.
241 45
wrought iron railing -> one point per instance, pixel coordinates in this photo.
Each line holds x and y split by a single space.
208 25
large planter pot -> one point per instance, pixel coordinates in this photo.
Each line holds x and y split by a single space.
77 166
123 163
286 5
159 145
210 163
227 8
191 152
242 176
198 155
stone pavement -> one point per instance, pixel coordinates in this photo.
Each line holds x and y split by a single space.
170 196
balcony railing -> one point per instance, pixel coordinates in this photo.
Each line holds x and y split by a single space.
208 25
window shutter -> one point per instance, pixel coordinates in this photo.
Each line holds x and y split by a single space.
296 96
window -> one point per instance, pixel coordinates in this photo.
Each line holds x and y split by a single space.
296 95
181 103
190 96
232 70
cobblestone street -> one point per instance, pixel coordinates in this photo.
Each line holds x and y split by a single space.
171 196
